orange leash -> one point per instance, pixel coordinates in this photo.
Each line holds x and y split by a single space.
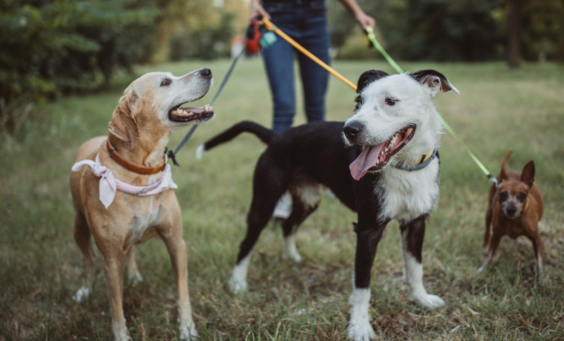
271 27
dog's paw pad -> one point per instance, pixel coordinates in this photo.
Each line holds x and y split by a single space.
237 286
188 332
429 301
81 294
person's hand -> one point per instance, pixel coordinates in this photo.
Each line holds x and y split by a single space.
257 9
365 20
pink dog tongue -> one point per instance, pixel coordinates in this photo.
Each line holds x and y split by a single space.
366 160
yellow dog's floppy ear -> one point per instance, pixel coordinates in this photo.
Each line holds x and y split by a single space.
123 124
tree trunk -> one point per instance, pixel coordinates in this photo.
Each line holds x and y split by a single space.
514 57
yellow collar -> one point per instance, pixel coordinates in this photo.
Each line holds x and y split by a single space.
424 157
416 165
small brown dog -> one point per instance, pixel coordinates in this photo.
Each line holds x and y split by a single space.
514 209
124 197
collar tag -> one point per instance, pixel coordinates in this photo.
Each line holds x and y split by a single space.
418 166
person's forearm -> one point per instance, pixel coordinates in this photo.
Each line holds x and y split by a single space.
352 6
362 18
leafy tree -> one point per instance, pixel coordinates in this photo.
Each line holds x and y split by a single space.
49 47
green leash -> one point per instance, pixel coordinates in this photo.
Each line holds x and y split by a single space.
372 39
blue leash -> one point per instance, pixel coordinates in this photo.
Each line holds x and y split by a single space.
172 154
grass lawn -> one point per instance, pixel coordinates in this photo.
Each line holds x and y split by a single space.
498 110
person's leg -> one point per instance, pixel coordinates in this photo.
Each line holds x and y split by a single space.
315 39
278 61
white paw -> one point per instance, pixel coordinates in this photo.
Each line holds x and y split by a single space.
81 295
295 256
136 278
188 332
482 268
361 330
200 152
237 286
428 301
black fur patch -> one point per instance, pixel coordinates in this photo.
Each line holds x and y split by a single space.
368 77
422 74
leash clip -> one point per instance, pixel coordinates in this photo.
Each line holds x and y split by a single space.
493 179
170 155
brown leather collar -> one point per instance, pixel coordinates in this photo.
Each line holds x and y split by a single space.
132 166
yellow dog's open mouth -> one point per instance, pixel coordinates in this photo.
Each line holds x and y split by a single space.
376 157
186 114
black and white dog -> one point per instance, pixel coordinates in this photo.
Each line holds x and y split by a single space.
382 163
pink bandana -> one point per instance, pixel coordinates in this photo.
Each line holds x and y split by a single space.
109 184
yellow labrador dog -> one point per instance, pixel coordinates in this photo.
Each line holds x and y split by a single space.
122 188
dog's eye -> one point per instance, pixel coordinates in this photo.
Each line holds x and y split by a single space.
390 101
166 82
521 196
503 196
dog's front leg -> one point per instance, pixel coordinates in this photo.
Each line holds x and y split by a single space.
412 234
172 237
537 245
113 269
368 237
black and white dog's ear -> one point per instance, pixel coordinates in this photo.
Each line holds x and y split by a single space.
368 77
434 80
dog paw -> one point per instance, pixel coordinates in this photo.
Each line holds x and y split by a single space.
428 301
81 295
188 332
481 269
361 330
237 286
295 256
136 278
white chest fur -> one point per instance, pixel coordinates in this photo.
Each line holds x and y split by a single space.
407 195
139 225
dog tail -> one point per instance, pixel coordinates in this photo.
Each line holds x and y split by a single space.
264 134
503 172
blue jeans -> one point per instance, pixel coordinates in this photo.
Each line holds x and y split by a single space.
306 23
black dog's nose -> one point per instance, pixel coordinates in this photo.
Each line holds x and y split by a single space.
205 72
511 210
352 129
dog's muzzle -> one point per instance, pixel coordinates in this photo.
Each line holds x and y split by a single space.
353 131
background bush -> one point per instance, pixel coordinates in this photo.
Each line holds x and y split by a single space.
54 47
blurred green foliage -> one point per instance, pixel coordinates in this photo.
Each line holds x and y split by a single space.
455 30
205 41
51 47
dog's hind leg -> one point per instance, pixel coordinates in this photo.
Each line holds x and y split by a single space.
305 202
268 186
132 271
413 233
83 238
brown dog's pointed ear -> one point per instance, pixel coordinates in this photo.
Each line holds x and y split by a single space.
503 172
434 80
528 174
123 124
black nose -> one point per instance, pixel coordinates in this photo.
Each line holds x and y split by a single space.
352 129
205 72
511 210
